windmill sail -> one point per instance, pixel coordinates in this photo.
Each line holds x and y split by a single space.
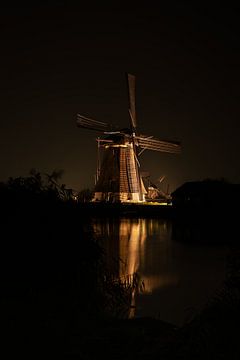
87 123
132 103
133 121
150 143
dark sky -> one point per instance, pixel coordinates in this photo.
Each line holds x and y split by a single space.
60 59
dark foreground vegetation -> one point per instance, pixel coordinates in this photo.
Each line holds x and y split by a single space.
54 285
58 299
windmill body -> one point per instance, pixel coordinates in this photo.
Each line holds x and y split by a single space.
118 171
119 178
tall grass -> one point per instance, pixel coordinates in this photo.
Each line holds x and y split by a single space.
54 281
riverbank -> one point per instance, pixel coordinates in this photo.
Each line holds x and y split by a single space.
102 209
210 334
161 210
54 289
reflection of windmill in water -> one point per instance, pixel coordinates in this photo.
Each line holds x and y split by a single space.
118 177
128 245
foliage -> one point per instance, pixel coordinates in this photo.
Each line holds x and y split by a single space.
53 277
37 185
214 332
85 195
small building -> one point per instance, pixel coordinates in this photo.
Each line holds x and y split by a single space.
206 193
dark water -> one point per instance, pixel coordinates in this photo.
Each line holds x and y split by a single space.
178 278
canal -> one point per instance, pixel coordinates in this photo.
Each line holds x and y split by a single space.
177 278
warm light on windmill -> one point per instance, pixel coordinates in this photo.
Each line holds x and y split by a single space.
118 176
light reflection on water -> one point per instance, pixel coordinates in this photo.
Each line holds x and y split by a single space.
178 278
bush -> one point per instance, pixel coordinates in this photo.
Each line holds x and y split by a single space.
53 277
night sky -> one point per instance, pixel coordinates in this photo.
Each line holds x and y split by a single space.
60 59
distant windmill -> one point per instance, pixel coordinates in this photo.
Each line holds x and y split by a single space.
161 178
118 176
164 193
154 192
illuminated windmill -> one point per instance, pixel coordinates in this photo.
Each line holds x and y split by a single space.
118 175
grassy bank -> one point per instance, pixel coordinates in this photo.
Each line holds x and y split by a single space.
54 283
57 298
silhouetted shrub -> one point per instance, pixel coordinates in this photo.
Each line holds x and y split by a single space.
53 277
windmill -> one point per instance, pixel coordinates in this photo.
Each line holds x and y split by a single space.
118 175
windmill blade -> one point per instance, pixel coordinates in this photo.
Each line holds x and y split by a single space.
161 178
87 123
149 143
131 97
